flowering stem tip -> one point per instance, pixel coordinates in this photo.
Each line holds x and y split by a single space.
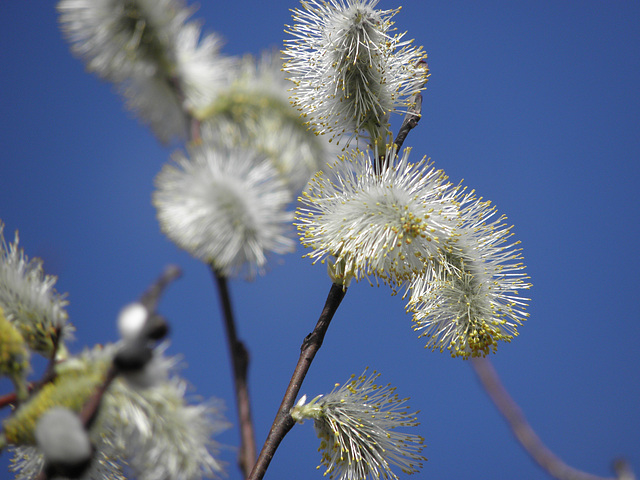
357 423
349 72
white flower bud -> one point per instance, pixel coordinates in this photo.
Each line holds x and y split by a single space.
131 320
62 438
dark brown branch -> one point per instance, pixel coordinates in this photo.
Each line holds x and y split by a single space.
411 119
240 361
414 114
527 437
283 422
90 410
192 123
10 398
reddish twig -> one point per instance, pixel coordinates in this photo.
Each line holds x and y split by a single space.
48 376
527 437
283 422
240 362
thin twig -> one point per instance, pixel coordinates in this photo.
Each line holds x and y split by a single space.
10 398
411 119
283 422
151 296
192 124
90 410
240 361
527 437
414 114
48 376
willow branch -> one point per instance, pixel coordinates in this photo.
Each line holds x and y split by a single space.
240 361
411 119
48 376
527 437
192 124
90 410
10 398
283 422
151 296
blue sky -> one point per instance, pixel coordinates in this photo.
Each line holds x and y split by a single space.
535 105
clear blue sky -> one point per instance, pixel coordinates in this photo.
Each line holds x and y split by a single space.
536 104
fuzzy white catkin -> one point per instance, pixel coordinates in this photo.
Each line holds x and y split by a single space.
387 224
225 206
348 69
